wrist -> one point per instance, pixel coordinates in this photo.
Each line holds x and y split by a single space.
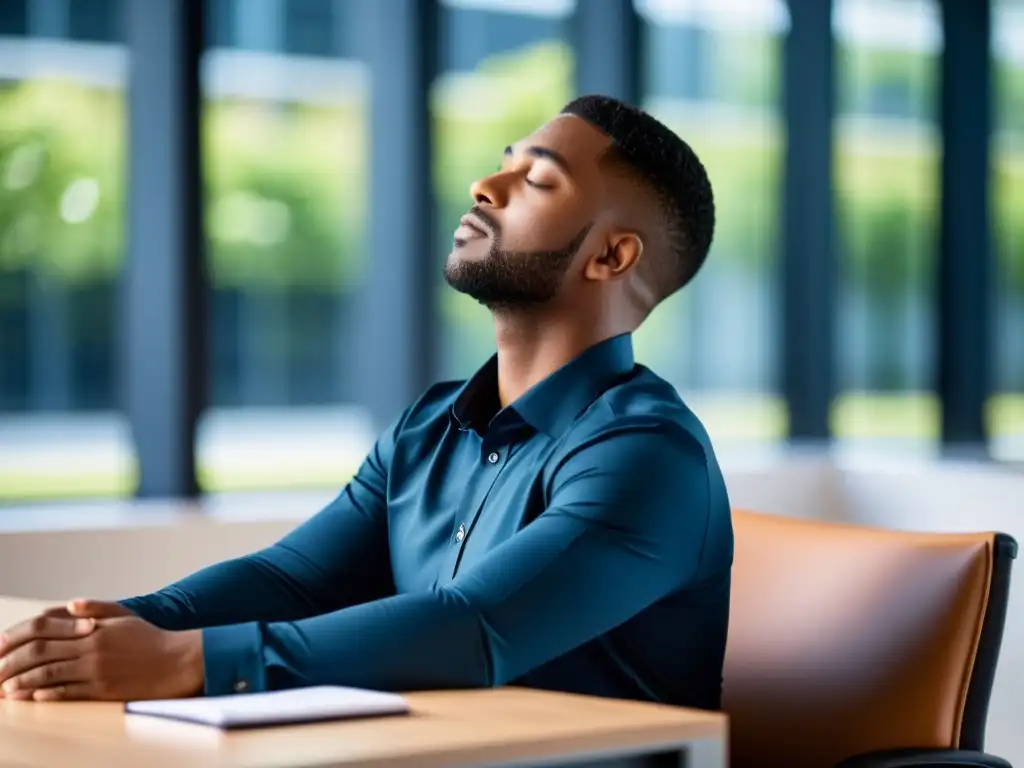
192 667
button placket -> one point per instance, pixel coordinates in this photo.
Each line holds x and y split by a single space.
494 459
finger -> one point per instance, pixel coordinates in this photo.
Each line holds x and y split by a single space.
68 692
43 628
20 696
96 609
57 612
49 675
36 653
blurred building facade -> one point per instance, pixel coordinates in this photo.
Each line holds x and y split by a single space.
286 120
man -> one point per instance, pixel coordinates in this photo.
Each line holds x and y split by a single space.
557 521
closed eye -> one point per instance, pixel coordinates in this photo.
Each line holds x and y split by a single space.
529 181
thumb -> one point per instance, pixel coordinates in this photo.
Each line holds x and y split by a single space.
84 608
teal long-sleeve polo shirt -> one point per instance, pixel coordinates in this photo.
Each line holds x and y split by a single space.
578 539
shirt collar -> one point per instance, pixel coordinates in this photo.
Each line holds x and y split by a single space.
551 405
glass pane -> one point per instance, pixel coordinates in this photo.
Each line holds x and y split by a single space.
507 68
62 147
712 70
887 185
284 126
1006 411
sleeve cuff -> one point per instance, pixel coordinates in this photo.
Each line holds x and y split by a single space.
149 608
233 659
157 608
134 604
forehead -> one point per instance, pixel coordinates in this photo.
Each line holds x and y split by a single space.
580 143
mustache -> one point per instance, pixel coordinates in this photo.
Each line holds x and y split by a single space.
486 218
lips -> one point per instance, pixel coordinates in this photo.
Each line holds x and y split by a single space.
470 228
473 223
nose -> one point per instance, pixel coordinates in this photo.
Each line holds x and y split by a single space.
490 191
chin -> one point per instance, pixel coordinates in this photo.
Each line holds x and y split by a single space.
454 261
469 250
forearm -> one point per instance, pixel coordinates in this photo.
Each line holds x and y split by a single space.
245 589
407 642
273 585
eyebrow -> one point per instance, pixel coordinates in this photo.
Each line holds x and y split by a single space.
545 154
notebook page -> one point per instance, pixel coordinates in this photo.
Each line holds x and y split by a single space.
289 706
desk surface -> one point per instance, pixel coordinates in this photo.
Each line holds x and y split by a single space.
446 728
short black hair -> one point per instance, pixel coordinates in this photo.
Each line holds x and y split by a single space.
665 164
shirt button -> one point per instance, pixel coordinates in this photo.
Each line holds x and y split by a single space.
461 534
241 686
493 458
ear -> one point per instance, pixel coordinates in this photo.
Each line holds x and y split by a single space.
621 253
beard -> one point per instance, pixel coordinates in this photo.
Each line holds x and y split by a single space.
512 280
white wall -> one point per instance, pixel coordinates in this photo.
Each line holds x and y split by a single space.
119 549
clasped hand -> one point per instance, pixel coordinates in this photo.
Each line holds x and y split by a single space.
97 650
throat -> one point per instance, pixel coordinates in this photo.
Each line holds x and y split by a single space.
529 352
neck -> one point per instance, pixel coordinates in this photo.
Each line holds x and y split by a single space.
533 345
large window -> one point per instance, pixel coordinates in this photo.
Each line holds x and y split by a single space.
507 69
1006 411
285 141
712 74
284 131
62 151
887 187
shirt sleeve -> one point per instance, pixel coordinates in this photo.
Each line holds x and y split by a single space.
337 558
625 526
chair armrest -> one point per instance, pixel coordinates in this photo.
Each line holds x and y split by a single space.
924 758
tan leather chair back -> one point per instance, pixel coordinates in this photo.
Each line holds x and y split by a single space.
847 639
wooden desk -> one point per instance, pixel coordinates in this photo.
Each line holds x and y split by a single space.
506 726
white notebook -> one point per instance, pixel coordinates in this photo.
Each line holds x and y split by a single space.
297 705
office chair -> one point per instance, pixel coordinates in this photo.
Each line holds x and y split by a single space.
855 647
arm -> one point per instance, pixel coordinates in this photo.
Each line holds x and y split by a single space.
336 559
624 527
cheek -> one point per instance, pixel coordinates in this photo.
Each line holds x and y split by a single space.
542 226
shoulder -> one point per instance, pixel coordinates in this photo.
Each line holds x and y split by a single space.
643 408
431 406
641 431
421 422
641 448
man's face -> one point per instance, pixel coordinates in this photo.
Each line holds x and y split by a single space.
514 248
